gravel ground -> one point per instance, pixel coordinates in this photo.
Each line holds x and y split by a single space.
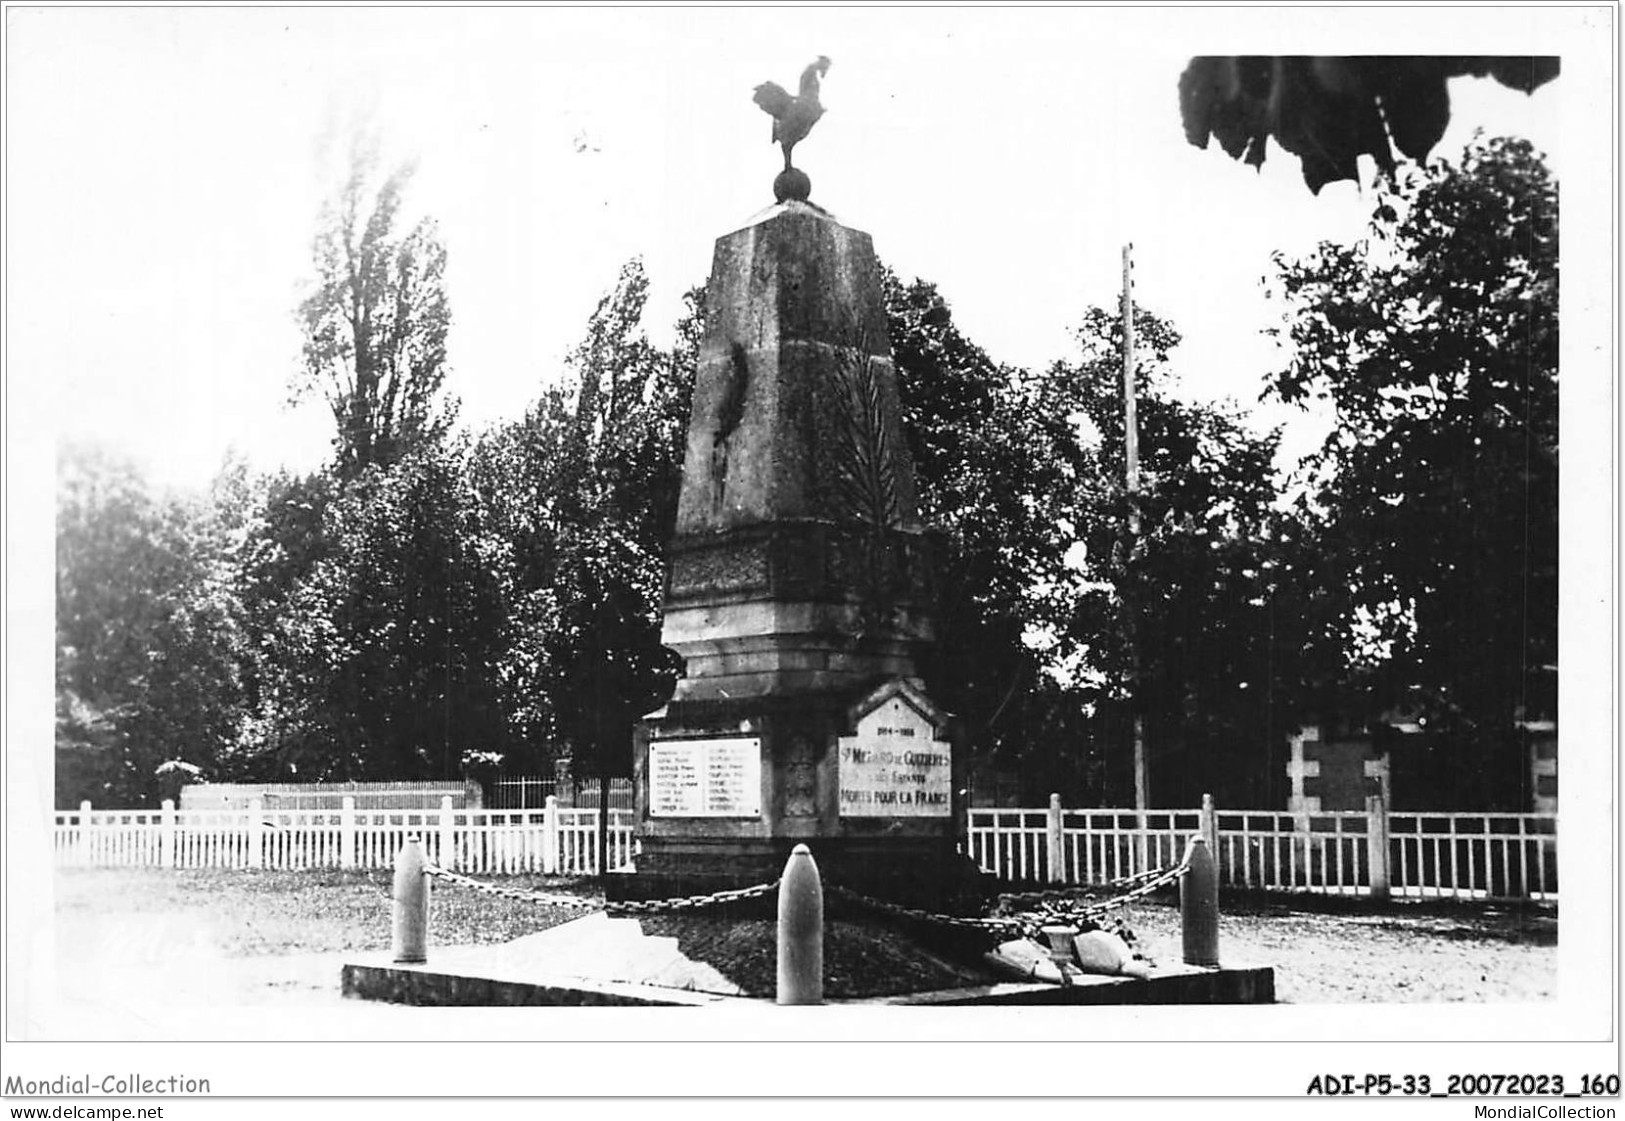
250 938
197 938
1335 951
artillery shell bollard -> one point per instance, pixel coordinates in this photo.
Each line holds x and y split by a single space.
801 931
1199 905
411 931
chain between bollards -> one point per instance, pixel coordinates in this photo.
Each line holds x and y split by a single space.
1087 891
545 898
410 897
800 920
801 911
623 907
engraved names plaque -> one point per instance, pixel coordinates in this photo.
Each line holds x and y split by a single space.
894 766
705 778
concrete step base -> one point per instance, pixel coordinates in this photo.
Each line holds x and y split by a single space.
694 962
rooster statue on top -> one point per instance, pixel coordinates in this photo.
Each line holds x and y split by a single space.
793 119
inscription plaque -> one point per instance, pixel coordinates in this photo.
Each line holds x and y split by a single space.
894 766
705 778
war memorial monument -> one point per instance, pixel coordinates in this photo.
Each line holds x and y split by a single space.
800 586
801 756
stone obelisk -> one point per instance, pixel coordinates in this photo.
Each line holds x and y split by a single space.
799 593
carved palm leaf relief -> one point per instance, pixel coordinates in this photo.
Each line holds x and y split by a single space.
863 462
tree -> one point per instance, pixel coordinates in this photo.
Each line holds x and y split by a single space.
1198 622
1054 630
1000 479
585 491
1331 110
375 321
391 640
149 632
372 587
1436 497
284 540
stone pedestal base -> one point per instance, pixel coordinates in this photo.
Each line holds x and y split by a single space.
906 853
932 877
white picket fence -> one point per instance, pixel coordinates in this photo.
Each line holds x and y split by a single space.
1424 855
554 840
1370 852
1077 846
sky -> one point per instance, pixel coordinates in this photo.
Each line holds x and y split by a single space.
166 169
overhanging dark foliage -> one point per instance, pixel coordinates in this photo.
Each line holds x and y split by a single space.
1330 110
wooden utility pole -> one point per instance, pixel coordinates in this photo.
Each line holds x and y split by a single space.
1131 458
1131 431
